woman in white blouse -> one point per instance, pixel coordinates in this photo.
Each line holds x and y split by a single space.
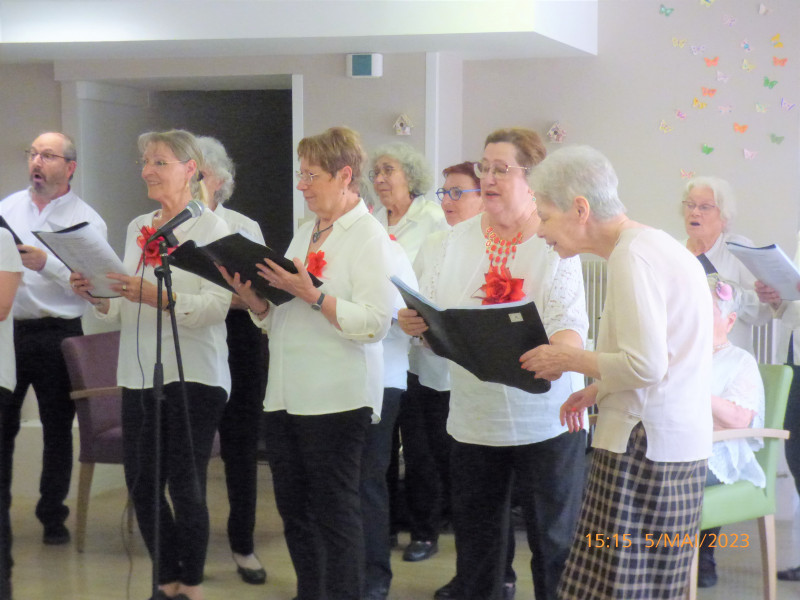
502 433
326 366
737 402
10 277
709 208
652 369
171 163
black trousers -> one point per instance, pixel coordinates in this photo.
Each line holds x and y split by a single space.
426 451
37 343
184 525
239 430
316 469
375 494
791 422
549 477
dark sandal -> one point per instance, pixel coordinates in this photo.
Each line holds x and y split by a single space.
789 574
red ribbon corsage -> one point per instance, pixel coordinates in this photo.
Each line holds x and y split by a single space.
500 287
316 262
151 256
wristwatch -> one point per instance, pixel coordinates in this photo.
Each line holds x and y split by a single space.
318 304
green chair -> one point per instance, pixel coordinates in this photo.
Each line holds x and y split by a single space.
742 501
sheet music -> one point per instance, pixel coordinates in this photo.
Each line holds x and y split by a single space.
770 265
84 250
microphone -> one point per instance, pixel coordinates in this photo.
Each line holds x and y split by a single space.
192 210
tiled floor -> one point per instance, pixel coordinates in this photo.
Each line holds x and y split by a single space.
114 567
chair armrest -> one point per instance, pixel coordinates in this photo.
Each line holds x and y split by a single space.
748 432
94 392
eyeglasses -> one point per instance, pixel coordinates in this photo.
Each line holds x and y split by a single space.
499 170
159 164
45 156
385 170
453 192
305 177
703 208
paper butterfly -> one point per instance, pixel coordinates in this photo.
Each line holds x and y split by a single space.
776 40
762 108
775 139
747 66
785 105
680 114
745 45
722 77
709 91
686 174
711 62
697 104
664 127
666 11
763 10
706 149
729 21
725 108
706 3
769 84
678 43
739 128
779 62
749 154
697 49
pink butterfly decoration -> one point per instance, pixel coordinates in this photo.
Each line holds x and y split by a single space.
722 77
680 115
725 108
749 154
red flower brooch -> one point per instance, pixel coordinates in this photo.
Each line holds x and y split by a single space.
315 263
500 287
151 256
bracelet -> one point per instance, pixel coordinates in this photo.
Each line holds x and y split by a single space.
260 315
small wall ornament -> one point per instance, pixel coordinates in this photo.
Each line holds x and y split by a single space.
403 125
556 133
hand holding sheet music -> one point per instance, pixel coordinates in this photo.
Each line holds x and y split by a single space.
771 266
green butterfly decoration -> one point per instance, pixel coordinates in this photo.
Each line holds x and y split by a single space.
666 11
775 139
769 84
707 149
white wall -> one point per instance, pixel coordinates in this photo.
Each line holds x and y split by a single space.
616 101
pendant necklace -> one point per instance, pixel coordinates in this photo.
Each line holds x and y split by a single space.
500 250
318 233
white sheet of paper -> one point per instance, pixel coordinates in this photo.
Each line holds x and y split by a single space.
84 250
771 266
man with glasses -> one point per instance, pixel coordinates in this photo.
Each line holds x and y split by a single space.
45 312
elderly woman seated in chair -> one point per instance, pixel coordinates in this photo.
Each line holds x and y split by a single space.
737 402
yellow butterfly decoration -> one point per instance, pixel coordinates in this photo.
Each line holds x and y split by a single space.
739 128
776 40
747 66
678 43
664 127
707 3
697 104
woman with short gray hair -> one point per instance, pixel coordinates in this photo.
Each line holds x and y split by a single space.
652 371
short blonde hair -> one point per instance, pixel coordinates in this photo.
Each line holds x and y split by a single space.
185 148
335 149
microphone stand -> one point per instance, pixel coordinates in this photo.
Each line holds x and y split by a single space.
164 279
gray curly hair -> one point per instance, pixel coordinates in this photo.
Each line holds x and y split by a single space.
415 167
220 164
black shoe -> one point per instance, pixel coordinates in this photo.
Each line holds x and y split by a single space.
56 535
420 550
252 576
706 572
447 591
789 574
509 590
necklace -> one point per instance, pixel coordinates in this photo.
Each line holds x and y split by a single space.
719 347
318 233
498 249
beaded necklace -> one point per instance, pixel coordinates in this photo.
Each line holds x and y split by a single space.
499 250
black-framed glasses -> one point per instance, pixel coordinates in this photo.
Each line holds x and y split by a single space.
159 164
385 170
45 156
454 193
305 177
499 170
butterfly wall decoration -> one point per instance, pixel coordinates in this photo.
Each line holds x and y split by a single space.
724 109
779 62
709 91
769 83
749 154
678 43
686 174
722 77
664 127
776 40
761 108
712 62
739 128
706 149
679 114
775 139
786 105
747 66
697 104
665 11
763 10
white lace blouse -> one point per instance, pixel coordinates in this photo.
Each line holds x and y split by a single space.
491 414
736 379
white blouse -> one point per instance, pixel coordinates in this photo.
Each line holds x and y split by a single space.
422 218
239 223
737 379
11 262
315 368
492 414
654 349
200 310
433 370
396 342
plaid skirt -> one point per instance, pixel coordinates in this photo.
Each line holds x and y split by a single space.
638 527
